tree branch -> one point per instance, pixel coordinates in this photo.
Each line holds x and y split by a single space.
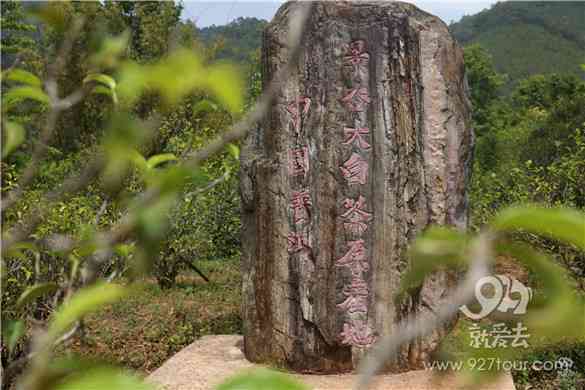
194 268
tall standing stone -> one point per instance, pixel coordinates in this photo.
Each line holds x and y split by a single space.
369 142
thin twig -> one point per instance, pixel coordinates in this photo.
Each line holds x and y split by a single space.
194 268
101 212
209 186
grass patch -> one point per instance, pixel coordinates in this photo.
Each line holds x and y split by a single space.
144 330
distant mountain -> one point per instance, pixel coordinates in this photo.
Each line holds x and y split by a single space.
241 38
526 38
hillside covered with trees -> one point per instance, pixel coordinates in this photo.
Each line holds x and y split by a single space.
239 40
526 38
523 38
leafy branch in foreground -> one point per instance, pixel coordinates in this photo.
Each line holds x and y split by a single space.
551 318
138 233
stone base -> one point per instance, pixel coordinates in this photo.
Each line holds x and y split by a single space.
212 359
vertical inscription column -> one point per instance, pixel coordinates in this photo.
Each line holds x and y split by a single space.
355 264
298 169
299 240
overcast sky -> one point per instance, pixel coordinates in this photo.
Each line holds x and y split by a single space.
206 13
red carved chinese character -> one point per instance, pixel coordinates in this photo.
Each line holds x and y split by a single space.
298 163
357 296
299 203
293 108
297 242
356 217
357 99
356 135
355 169
357 333
355 258
356 56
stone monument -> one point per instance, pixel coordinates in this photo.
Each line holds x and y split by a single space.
369 141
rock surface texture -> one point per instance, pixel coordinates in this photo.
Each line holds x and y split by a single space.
369 142
211 360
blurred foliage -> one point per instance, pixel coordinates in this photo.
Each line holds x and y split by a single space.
134 111
261 379
555 315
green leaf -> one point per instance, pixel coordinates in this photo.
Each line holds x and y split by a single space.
234 151
134 79
153 219
221 81
158 159
163 76
24 77
124 250
125 132
36 291
436 247
103 378
24 245
131 83
83 302
101 78
112 48
14 135
558 223
12 331
171 179
225 83
101 90
138 160
262 379
18 94
53 16
560 305
204 105
106 85
74 260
